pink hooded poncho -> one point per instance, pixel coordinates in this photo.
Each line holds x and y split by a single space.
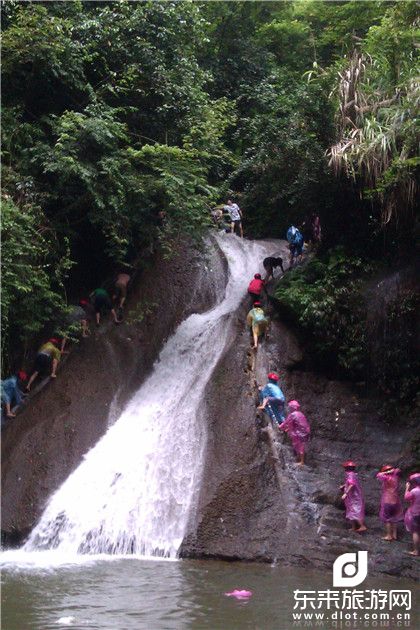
412 515
391 509
298 429
354 502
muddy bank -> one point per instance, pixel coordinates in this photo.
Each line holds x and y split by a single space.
255 502
63 420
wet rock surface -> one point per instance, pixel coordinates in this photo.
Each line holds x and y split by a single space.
66 417
256 503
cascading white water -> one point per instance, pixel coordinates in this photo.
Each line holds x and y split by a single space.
135 490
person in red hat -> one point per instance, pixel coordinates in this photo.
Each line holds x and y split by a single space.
391 511
11 393
255 288
298 429
353 498
412 515
272 399
48 357
258 323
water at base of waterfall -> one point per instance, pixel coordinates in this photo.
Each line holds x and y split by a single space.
135 491
132 594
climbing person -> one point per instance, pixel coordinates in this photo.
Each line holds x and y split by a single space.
272 399
11 392
79 314
315 224
295 240
353 498
391 512
412 515
270 264
258 323
48 357
298 429
120 287
255 288
101 304
88 316
235 215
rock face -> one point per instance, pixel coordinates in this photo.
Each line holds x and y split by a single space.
62 421
254 503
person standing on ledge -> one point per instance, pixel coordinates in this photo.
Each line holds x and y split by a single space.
235 214
258 323
272 399
412 515
391 511
353 498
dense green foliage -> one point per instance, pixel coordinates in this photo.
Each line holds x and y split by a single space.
116 111
350 325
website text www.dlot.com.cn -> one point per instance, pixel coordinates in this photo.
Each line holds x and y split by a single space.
342 620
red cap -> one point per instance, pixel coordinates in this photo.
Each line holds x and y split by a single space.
22 376
273 376
293 404
415 477
83 302
53 340
257 303
257 276
349 464
387 468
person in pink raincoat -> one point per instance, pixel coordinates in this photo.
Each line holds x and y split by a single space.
412 515
353 498
391 511
297 426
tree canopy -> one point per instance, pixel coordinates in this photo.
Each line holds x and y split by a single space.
115 111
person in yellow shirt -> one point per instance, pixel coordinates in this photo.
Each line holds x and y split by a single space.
48 357
257 320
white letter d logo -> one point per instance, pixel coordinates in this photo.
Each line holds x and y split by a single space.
350 569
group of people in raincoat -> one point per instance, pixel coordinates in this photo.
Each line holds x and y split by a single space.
391 509
295 424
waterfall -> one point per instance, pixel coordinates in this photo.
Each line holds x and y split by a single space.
136 489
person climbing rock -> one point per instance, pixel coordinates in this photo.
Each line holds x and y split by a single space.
235 215
79 314
120 287
298 429
48 357
272 399
102 303
391 511
353 498
11 392
87 317
270 264
412 515
295 240
255 288
258 323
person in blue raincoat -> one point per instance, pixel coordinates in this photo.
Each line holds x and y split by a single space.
272 399
11 393
295 240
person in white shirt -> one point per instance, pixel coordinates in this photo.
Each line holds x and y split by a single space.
235 217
